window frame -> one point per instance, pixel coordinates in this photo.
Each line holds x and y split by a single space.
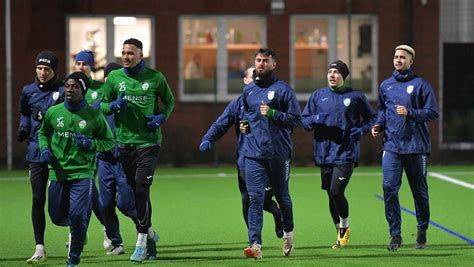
332 53
110 34
222 94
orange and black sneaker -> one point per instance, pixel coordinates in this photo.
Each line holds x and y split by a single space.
342 237
253 251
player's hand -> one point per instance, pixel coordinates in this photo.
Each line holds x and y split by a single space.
401 110
319 118
264 108
46 156
244 127
375 130
83 142
355 133
154 121
120 104
22 135
205 146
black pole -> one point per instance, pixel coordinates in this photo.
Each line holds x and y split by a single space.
214 109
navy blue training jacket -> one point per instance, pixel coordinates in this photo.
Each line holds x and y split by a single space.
231 115
406 135
34 102
332 144
270 138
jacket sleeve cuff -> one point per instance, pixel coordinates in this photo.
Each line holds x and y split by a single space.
271 113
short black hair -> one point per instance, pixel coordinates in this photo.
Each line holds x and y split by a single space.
266 52
134 42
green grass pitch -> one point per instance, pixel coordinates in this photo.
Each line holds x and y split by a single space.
197 213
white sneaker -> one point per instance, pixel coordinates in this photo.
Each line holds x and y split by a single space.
287 247
118 250
38 257
107 242
253 251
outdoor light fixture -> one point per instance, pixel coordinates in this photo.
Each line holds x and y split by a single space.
277 7
125 20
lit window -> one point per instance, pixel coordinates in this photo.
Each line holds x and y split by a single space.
92 33
316 41
214 53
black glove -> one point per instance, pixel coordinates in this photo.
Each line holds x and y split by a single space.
37 115
22 135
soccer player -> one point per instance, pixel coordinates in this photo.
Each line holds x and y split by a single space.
132 94
114 190
69 138
85 63
334 114
406 105
272 111
233 115
35 100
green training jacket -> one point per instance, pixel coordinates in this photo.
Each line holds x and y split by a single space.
57 133
94 92
142 92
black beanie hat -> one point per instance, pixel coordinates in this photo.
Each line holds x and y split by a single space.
49 59
341 67
81 79
110 67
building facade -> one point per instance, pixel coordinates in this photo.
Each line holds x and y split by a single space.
203 46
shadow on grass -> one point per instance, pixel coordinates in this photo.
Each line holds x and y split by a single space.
404 247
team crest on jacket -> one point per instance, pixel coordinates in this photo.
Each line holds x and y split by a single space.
347 102
82 124
145 86
94 95
55 96
410 89
271 95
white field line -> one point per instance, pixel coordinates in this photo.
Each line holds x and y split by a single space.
451 180
293 174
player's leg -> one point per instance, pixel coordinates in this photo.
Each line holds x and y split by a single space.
244 194
58 203
39 180
339 180
125 196
96 204
279 172
416 170
147 158
326 176
255 175
269 205
80 203
392 179
107 197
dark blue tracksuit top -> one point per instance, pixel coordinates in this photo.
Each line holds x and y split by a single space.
332 144
270 138
232 115
35 100
406 135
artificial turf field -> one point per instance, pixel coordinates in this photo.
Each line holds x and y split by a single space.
197 213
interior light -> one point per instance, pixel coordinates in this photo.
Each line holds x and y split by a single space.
125 20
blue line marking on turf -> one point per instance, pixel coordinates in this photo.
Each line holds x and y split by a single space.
435 224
